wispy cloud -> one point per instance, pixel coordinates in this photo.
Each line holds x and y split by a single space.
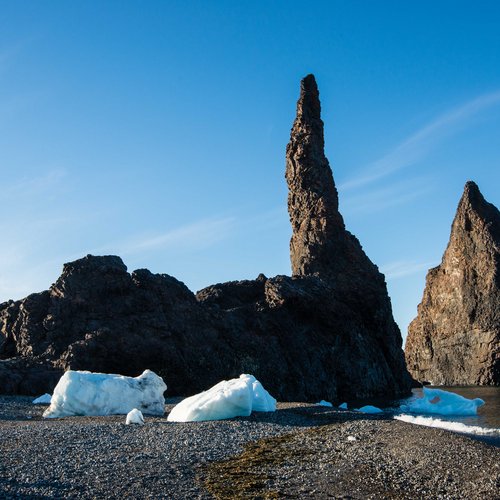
421 142
390 195
28 187
403 268
200 234
20 276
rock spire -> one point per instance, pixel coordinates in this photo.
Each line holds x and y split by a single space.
455 338
312 197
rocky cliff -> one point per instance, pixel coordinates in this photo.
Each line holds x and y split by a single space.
327 332
455 338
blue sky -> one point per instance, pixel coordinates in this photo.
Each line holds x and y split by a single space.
157 131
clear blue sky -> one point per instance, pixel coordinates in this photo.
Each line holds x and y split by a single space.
157 131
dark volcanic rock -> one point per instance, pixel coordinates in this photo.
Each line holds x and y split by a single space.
98 317
455 338
325 333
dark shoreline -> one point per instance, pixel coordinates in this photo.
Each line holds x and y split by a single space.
300 450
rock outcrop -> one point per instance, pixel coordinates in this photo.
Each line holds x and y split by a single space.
455 338
327 332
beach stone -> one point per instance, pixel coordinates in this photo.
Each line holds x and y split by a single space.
455 338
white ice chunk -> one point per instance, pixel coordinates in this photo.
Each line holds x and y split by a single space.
134 417
351 438
86 393
325 403
439 402
227 399
42 400
230 398
343 406
369 409
451 426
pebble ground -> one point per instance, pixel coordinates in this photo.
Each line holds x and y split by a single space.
300 451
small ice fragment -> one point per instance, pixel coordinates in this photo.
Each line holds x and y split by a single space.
134 417
42 400
343 406
324 403
351 438
369 409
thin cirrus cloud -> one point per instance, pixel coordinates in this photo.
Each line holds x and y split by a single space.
28 187
200 234
401 269
387 196
421 142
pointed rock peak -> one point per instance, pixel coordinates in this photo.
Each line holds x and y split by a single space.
472 195
308 105
473 206
454 338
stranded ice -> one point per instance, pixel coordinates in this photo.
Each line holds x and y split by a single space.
369 409
42 400
230 398
86 393
134 417
325 403
439 402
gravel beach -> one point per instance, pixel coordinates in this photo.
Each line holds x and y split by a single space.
300 450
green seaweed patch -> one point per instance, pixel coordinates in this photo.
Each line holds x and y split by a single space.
250 474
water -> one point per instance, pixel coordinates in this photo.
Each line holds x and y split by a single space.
488 415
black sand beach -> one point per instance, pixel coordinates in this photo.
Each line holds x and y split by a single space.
299 451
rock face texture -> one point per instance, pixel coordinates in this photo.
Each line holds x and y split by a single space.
455 338
327 332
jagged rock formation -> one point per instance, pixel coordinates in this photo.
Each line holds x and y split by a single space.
455 338
325 333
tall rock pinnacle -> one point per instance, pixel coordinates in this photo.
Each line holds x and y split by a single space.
455 338
312 196
320 244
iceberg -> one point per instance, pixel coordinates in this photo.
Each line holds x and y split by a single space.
369 409
134 417
343 406
230 398
42 400
440 402
86 393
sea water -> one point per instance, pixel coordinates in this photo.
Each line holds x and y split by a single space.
488 415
